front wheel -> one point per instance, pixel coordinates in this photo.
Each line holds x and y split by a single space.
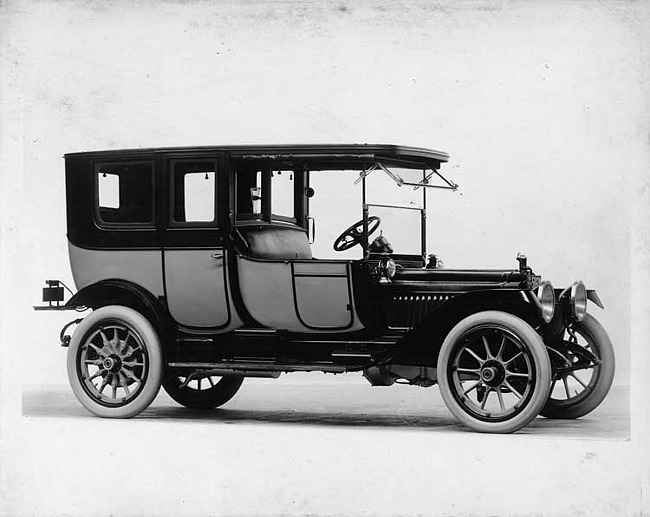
201 392
494 372
115 362
584 374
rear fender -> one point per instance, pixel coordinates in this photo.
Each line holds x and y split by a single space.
422 344
128 294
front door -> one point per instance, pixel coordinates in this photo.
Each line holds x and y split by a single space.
322 293
194 257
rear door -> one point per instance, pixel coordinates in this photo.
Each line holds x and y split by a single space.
193 253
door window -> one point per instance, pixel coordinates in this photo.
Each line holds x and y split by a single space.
194 193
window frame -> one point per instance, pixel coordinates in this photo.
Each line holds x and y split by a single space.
267 216
116 225
171 222
264 201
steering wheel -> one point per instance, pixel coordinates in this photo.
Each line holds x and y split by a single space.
354 234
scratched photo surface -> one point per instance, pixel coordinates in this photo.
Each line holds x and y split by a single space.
543 109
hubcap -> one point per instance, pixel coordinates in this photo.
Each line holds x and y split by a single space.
112 364
488 374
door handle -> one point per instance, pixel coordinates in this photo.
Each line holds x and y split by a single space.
216 255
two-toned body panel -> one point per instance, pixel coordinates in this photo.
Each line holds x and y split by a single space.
299 296
139 266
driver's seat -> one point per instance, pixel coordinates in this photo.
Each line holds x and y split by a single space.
275 243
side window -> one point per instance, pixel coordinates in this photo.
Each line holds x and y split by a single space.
125 193
249 193
267 191
282 206
194 192
109 190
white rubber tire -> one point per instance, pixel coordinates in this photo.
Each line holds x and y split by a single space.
599 386
150 340
533 344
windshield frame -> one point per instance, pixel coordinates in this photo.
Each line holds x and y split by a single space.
366 206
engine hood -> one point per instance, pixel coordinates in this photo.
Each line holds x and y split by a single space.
459 279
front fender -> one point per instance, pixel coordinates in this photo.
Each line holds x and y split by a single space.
421 345
593 296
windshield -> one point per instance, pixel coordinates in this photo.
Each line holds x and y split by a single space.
399 208
338 203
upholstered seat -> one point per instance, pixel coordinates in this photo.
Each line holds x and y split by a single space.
275 242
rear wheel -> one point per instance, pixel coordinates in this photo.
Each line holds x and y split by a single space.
115 362
201 392
584 372
494 372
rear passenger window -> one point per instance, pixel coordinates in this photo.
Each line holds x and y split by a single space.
194 192
125 193
109 190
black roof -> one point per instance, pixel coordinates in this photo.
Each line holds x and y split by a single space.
316 151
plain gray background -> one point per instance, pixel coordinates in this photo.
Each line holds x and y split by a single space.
542 106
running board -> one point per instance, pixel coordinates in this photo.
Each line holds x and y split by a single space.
251 368
263 334
374 342
255 332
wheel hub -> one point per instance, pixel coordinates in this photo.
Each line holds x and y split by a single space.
492 373
112 363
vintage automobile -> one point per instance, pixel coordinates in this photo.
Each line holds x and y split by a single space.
197 266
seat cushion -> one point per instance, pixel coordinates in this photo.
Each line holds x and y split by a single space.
276 243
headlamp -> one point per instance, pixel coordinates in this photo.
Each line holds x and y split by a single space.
578 300
546 300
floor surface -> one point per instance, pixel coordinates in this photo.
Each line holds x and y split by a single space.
310 444
327 401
